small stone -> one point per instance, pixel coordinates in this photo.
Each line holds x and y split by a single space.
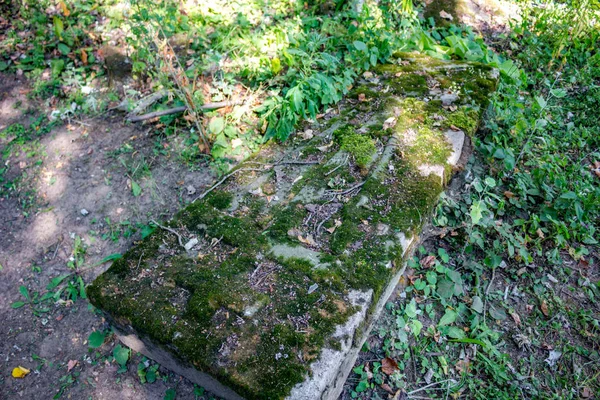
312 288
190 244
190 190
448 98
552 279
84 212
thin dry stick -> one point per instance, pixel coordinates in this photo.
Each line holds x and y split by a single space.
357 186
175 110
428 386
173 231
486 294
213 187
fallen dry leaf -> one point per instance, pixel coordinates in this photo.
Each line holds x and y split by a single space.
516 318
309 240
387 388
463 366
509 194
586 393
446 15
427 262
71 364
362 97
544 308
389 123
20 372
389 366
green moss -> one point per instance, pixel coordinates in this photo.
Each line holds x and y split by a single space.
410 84
367 90
219 199
361 147
465 119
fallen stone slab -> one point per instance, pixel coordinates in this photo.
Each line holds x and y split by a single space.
267 286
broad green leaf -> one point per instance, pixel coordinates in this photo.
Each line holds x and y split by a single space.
490 182
96 339
361 46
24 292
497 313
411 309
476 212
416 327
448 318
58 26
477 305
558 93
121 354
135 188
111 257
170 394
54 282
445 288
216 125
3 66
455 332
17 304
57 65
63 48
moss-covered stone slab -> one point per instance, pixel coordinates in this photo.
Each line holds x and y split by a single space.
266 287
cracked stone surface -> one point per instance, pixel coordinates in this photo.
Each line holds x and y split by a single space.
287 264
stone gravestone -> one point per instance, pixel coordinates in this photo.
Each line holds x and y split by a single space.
267 285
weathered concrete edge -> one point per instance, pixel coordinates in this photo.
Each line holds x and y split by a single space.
334 388
146 347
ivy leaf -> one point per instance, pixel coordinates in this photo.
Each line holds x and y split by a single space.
362 386
448 318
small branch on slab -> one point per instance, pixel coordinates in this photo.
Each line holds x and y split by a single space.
173 231
213 187
175 110
353 188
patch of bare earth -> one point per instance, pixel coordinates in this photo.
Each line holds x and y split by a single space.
78 167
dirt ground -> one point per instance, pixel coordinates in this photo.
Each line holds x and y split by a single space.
75 167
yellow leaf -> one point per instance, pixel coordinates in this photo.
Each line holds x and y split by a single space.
64 8
20 372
